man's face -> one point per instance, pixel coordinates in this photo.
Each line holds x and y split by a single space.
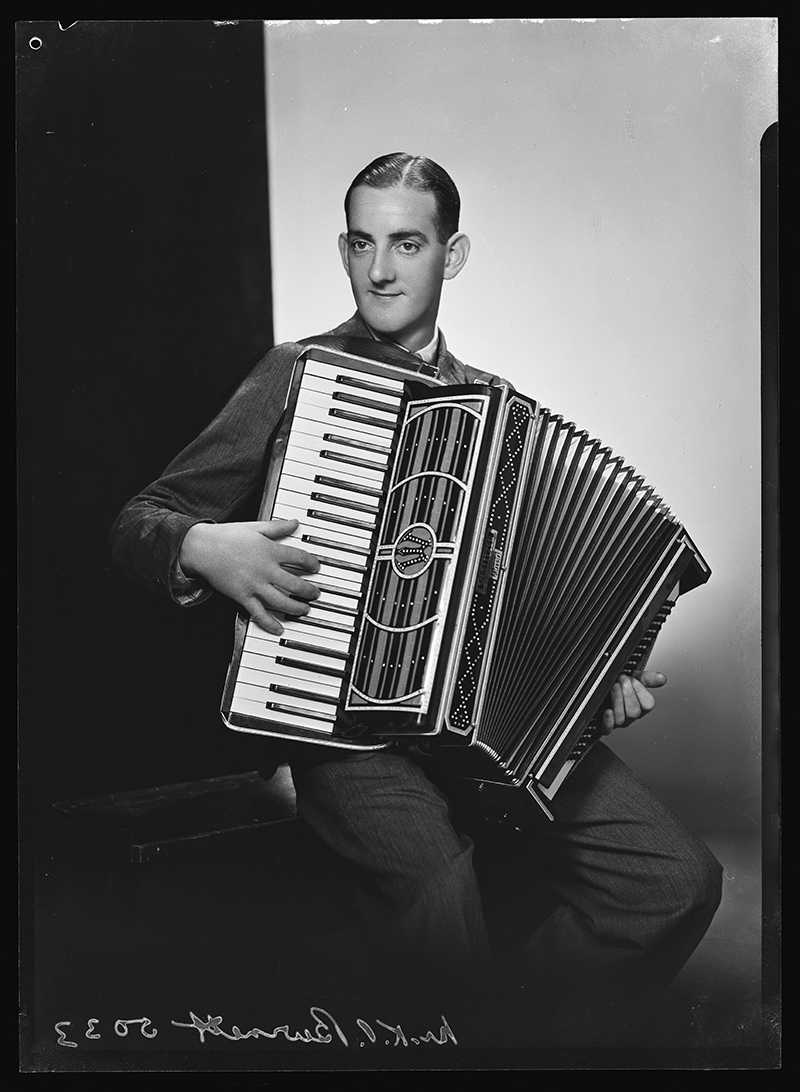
395 262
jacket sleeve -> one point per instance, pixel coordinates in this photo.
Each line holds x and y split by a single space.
208 482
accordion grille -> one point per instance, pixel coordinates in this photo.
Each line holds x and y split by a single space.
421 536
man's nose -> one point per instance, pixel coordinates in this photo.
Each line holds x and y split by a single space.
381 268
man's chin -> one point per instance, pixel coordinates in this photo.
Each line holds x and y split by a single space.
385 330
388 324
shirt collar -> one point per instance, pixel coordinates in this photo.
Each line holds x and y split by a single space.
428 352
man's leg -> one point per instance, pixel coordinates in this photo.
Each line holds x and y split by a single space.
639 890
418 894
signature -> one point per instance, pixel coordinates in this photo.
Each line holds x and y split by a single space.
324 1030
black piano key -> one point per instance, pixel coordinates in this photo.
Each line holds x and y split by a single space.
315 540
305 665
340 563
346 593
362 445
368 385
344 483
317 605
277 707
323 623
342 502
309 695
366 403
330 517
351 460
362 419
319 650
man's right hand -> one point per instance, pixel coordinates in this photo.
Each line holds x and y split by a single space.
248 563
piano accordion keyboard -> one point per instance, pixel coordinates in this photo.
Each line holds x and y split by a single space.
331 480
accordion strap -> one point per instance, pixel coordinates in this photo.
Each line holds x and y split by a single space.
488 378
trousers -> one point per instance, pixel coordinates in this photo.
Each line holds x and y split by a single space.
634 890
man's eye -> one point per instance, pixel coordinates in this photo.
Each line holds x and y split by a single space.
409 248
359 245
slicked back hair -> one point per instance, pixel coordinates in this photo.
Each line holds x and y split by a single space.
418 173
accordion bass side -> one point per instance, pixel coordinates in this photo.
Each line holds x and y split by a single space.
487 570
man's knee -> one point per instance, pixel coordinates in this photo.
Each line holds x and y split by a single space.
690 894
705 883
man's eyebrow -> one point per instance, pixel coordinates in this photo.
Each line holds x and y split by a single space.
409 233
395 236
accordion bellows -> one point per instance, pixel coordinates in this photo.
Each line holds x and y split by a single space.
488 570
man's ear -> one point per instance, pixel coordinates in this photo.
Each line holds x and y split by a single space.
457 254
344 252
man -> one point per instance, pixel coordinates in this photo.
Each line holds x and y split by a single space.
637 891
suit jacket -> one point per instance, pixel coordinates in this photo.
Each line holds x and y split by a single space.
216 476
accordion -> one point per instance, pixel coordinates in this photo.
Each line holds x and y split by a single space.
487 570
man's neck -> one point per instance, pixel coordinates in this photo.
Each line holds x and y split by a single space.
426 352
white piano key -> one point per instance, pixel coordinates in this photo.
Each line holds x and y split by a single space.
339 436
331 603
332 372
319 612
259 652
249 707
335 460
333 487
319 406
333 571
306 464
330 596
291 505
361 417
346 520
329 370
301 702
308 633
304 680
297 492
344 551
314 624
322 524
362 404
328 386
321 616
333 574
350 566
328 432
259 641
292 669
306 486
259 692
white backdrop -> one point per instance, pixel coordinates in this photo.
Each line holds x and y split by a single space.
609 174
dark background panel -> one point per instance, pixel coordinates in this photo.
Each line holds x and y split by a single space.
144 295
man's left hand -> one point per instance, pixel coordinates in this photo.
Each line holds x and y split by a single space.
630 699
